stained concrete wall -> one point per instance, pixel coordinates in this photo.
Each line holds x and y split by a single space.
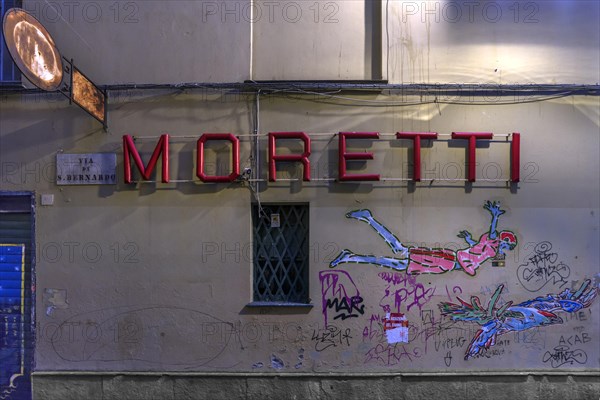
317 387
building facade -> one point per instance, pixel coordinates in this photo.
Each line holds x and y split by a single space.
355 199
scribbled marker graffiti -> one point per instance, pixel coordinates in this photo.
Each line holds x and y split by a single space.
402 292
405 291
496 321
340 296
542 268
391 354
564 355
421 260
331 336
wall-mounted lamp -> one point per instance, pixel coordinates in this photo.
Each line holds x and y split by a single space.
35 54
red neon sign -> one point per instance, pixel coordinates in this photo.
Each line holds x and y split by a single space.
162 148
416 138
472 138
515 159
235 159
129 150
343 156
274 157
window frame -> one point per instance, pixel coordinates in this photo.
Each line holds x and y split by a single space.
290 298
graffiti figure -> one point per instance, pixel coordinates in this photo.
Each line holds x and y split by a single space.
423 260
540 311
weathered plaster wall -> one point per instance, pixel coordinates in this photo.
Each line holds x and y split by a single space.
156 277
502 42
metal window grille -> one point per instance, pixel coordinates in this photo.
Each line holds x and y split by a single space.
281 253
9 73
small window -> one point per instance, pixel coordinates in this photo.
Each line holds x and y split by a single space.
281 253
9 73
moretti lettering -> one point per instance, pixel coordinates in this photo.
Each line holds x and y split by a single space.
162 149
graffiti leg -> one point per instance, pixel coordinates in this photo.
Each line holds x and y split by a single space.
346 256
389 237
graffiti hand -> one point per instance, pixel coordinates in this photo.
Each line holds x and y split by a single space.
464 235
494 208
583 296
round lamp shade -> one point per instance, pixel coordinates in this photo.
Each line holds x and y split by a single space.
32 49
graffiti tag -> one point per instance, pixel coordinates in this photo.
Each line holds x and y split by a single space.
405 290
391 354
541 267
533 338
450 343
340 294
345 308
574 339
331 336
448 359
564 355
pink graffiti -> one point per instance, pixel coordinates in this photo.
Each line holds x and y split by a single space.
375 329
412 293
396 279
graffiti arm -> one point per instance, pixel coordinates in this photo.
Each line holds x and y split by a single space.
467 236
496 212
566 300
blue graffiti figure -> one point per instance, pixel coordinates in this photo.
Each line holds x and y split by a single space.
540 311
422 260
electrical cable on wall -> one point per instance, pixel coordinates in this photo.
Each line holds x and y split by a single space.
332 91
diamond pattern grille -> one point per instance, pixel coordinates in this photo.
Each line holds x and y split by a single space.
281 254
